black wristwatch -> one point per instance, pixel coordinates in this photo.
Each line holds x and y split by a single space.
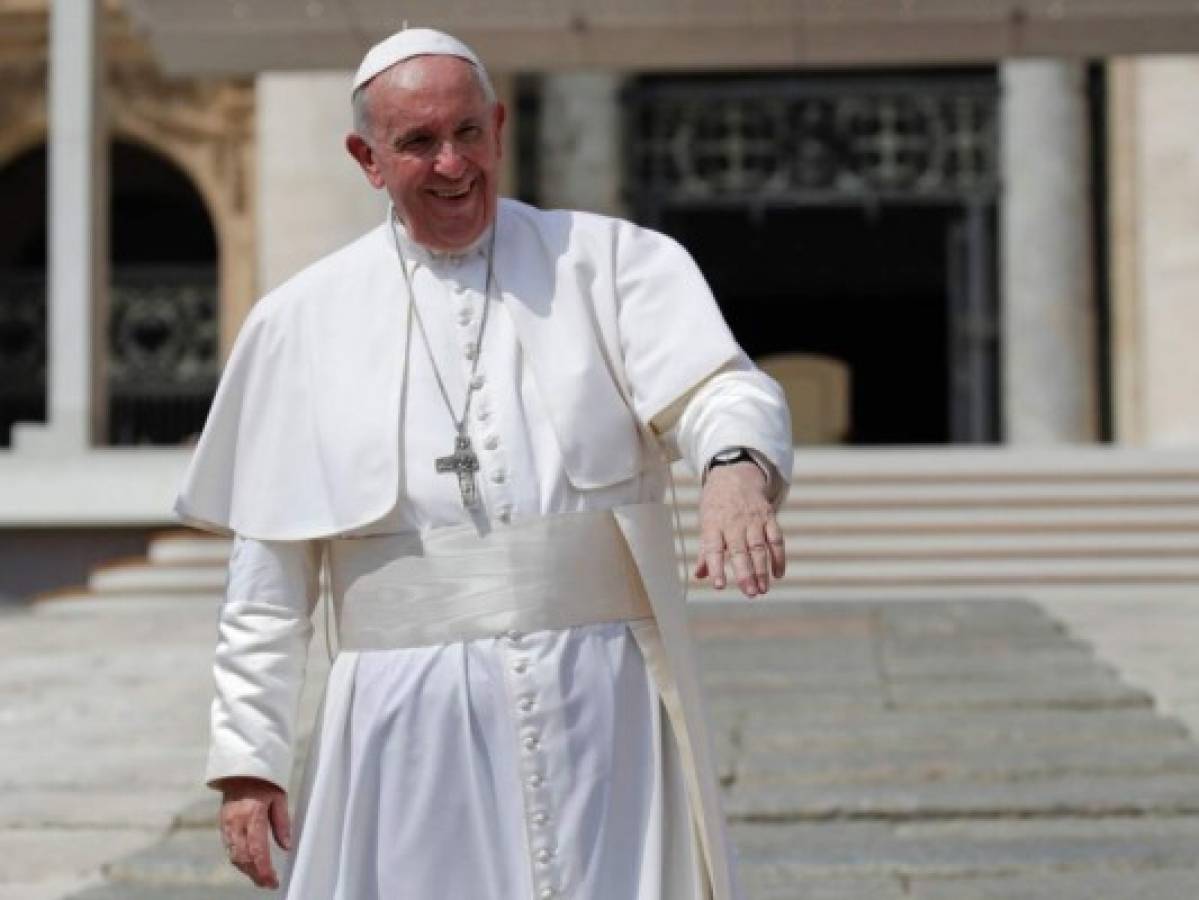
728 457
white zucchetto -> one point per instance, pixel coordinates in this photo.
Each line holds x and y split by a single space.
409 43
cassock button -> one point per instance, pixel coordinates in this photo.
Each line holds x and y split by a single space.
548 893
520 666
531 741
513 636
498 476
469 351
526 704
465 317
483 415
505 515
491 441
543 855
540 817
535 780
477 382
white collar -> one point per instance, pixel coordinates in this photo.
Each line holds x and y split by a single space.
437 259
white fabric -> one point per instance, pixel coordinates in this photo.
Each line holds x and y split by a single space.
303 437
537 574
409 43
422 764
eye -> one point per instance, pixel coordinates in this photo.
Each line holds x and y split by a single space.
469 132
415 143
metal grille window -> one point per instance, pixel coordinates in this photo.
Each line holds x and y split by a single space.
802 141
162 367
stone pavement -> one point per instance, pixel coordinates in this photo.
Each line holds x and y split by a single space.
944 750
103 731
931 750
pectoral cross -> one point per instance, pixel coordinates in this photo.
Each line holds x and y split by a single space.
464 463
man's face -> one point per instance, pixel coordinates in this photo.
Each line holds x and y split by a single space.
435 146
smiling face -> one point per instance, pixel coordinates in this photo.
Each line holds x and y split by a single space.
434 144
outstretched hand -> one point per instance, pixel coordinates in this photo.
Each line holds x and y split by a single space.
248 806
738 528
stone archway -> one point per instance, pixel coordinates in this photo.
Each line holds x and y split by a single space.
203 126
206 129
162 329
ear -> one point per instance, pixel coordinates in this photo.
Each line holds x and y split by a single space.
364 155
500 114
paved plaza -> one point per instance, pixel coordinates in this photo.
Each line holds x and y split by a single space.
974 750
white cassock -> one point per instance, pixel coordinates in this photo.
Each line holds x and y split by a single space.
426 784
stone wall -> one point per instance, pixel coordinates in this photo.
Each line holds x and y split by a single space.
1155 249
312 196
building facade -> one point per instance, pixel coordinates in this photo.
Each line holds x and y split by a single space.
935 231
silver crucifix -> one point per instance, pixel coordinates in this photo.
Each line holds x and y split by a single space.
464 464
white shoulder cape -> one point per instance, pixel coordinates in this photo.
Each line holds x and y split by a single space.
302 440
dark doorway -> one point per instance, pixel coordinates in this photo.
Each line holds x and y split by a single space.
23 291
843 219
865 287
163 325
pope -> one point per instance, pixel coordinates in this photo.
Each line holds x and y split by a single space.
462 424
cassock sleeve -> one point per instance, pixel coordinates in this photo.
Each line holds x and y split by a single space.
739 406
672 335
264 629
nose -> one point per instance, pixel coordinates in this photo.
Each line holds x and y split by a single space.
449 163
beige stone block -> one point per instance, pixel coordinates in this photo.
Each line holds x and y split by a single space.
312 196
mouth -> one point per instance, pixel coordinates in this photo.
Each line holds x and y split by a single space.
455 192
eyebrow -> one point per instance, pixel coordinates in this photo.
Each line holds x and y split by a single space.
423 130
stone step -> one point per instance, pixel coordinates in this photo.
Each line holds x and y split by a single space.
812 671
929 493
763 883
813 547
863 764
1095 884
963 463
903 593
996 573
955 730
1094 693
777 854
186 857
189 547
862 618
137 577
133 599
797 521
1082 796
153 891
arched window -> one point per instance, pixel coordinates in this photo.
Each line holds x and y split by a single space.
162 365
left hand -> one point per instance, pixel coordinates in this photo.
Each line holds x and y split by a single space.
738 526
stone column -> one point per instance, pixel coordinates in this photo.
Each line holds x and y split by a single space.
312 197
77 298
1049 372
579 142
1155 249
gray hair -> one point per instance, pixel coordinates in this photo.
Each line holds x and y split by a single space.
360 105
